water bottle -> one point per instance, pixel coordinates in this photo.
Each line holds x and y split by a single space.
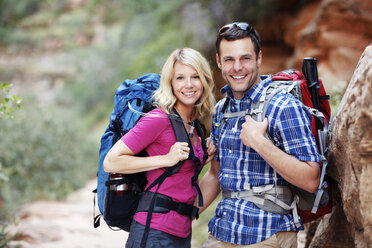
119 189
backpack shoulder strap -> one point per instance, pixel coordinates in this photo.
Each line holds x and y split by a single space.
181 136
275 88
218 124
201 130
225 104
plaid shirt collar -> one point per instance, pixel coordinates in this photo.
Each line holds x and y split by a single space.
254 93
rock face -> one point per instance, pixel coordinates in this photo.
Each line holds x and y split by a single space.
333 31
350 165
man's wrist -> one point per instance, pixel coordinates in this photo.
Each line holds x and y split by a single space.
260 143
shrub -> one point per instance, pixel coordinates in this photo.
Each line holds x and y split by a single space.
45 155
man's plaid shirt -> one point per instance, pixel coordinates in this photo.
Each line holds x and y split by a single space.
239 221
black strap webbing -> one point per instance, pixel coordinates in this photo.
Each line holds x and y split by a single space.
200 129
324 97
115 127
158 182
149 216
225 104
165 203
179 207
181 136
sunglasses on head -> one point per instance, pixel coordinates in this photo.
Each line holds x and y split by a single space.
241 25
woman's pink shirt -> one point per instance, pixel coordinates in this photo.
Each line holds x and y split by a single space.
155 134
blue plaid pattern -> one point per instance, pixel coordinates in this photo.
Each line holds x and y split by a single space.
239 221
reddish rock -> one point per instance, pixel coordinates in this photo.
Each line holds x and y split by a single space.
350 165
333 31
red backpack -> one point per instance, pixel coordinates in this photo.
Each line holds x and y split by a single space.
314 96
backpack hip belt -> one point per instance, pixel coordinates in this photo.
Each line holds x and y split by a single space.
164 203
270 198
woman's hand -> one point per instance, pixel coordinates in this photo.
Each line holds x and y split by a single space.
178 152
211 149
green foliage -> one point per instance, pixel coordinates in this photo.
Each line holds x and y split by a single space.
44 154
7 102
6 237
336 91
13 11
51 23
131 49
114 11
3 177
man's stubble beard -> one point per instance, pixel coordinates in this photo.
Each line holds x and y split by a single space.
251 82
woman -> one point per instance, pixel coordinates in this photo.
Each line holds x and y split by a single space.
186 85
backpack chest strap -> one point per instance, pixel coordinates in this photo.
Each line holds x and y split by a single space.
256 111
250 111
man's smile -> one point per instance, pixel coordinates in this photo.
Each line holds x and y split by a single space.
238 77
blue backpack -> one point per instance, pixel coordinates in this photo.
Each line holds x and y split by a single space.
135 94
118 195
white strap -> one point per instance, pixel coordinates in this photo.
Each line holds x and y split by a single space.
296 218
239 114
317 200
253 195
257 190
145 114
278 202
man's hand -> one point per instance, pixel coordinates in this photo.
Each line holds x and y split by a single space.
304 175
253 131
211 149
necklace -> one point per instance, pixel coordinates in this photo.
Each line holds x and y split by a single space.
192 123
191 133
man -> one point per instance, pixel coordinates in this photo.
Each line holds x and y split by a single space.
246 160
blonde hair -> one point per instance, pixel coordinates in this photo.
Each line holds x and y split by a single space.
164 95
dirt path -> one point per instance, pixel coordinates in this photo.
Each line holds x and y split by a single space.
67 224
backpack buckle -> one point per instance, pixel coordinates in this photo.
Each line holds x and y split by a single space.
182 208
195 212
